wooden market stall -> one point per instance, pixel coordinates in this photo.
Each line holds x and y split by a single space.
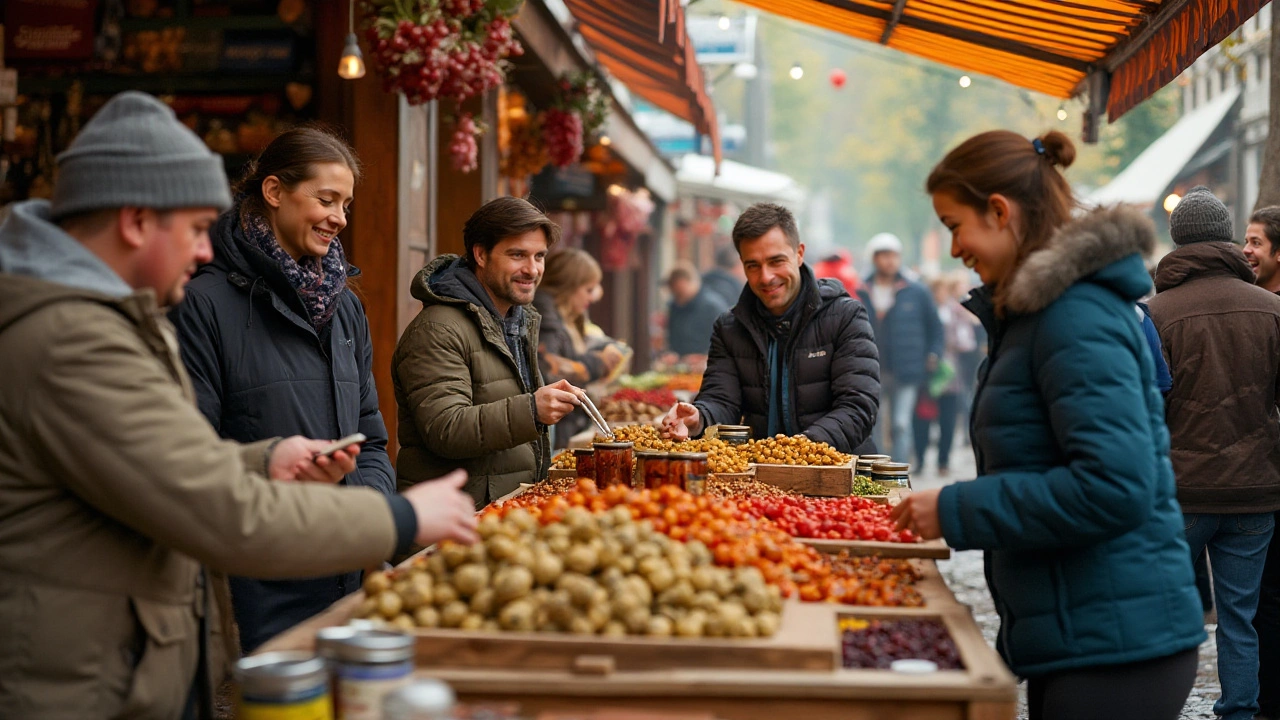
796 673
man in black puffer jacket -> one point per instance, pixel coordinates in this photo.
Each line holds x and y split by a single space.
795 356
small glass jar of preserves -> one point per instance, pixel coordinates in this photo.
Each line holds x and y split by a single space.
283 684
735 434
892 475
651 469
688 470
584 459
613 463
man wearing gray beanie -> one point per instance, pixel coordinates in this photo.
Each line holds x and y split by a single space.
121 510
1221 336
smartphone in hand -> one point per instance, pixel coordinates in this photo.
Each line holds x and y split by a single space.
342 444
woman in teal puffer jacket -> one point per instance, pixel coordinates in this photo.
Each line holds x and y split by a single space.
1074 501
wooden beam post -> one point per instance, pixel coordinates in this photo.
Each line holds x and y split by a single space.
1098 84
894 19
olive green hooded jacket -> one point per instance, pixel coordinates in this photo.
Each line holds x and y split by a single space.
462 400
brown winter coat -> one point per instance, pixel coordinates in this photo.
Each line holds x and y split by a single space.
1221 338
113 491
461 399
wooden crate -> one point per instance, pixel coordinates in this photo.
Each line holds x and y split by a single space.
587 673
931 549
826 481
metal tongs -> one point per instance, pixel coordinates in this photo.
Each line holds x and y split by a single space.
601 424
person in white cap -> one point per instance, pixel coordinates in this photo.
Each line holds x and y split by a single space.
909 335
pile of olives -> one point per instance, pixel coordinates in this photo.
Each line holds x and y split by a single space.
588 574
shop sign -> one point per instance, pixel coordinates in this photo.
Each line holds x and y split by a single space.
49 29
716 45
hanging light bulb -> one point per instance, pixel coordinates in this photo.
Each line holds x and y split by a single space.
723 22
965 81
797 72
351 64
1062 112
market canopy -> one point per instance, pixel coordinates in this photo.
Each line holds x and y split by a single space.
1126 49
645 45
696 176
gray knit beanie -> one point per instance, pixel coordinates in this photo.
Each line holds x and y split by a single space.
1200 217
135 153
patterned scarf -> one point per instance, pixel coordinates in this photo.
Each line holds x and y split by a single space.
319 281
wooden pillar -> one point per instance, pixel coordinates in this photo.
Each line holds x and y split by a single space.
458 194
370 120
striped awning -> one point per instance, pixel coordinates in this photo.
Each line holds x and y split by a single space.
1050 46
644 44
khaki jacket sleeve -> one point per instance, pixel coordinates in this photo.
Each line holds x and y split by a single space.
115 427
436 379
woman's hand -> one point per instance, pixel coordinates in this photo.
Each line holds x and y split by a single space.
295 458
918 512
444 512
681 422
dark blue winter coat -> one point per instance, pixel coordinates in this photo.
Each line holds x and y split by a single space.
261 370
1074 502
908 334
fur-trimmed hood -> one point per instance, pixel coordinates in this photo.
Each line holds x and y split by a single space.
1080 249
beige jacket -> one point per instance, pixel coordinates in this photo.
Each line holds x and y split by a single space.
113 492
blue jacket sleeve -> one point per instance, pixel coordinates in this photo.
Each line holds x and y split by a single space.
1091 383
200 346
936 334
373 467
719 401
1164 380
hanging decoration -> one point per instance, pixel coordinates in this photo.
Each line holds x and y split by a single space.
626 221
464 145
579 111
435 49
527 151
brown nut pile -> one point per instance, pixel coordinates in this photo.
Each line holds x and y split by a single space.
564 460
742 488
794 450
721 456
553 486
589 574
629 411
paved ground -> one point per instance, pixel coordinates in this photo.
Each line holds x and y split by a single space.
964 575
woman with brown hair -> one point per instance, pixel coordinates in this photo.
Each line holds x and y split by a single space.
1074 503
570 284
277 344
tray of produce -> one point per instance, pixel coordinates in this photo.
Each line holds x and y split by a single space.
801 465
914 645
735 538
567 593
629 406
857 525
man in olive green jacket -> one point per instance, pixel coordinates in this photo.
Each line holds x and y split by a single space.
113 488
466 373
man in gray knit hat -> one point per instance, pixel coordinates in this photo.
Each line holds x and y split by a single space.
114 490
1221 338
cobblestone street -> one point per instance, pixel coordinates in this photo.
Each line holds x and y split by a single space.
964 575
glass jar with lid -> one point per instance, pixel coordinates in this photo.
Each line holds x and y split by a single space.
613 463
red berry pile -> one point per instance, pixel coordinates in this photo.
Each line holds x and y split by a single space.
878 643
846 518
450 49
661 398
562 131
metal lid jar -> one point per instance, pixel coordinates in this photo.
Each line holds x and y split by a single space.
292 682
584 461
651 469
613 463
734 434
370 664
891 474
688 470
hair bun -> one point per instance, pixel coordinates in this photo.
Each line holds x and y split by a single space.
1058 148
